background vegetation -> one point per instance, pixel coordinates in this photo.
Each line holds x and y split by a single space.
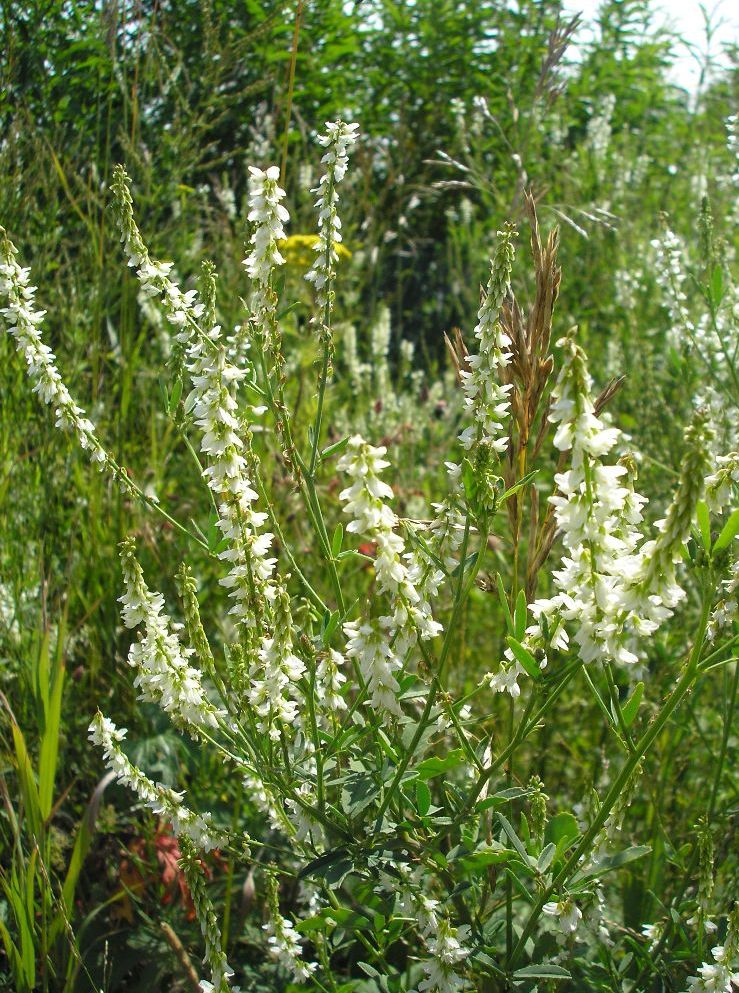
463 106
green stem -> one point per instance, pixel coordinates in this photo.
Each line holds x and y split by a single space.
665 941
681 690
462 591
525 728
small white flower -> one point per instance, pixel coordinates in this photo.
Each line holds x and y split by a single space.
162 800
163 673
284 946
338 140
268 216
567 914
381 646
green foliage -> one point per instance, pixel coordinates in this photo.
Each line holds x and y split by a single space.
186 94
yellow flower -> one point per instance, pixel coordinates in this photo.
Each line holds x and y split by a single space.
299 249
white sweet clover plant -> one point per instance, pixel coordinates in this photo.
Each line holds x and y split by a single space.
332 696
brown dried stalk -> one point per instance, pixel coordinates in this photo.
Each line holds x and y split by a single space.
528 373
181 955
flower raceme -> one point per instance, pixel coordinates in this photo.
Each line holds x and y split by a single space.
163 673
596 516
23 322
485 397
213 404
381 645
338 140
162 800
612 584
268 216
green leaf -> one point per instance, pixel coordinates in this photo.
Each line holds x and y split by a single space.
358 792
490 855
515 840
631 708
423 798
321 865
728 533
335 449
433 767
542 972
525 658
330 627
562 827
174 397
462 567
546 858
504 796
337 540
519 616
717 287
368 970
519 485
27 783
469 481
49 752
704 524
610 862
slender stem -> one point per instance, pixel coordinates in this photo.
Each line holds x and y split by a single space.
665 941
313 596
323 381
616 704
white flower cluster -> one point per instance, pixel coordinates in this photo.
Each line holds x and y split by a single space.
726 610
304 825
610 584
329 682
215 957
338 142
159 798
485 398
446 530
722 484
284 946
183 309
597 512
712 334
164 675
732 144
268 216
722 974
445 945
273 690
215 410
671 278
370 643
383 404
597 517
213 405
599 131
284 941
381 646
22 322
650 588
380 334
